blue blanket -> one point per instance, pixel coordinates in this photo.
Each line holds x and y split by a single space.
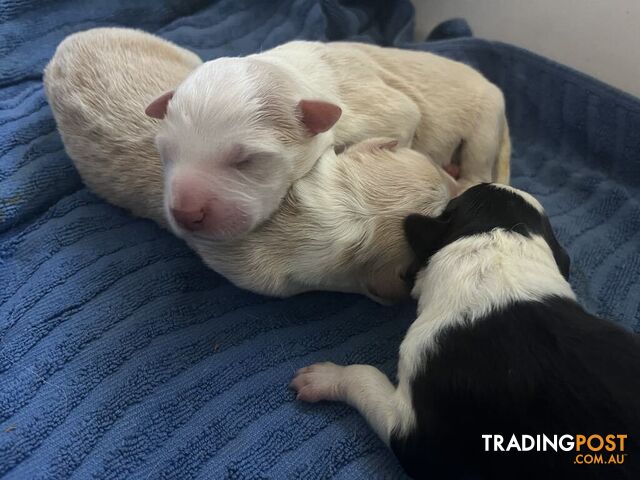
122 356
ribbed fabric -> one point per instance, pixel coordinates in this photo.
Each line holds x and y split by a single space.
122 356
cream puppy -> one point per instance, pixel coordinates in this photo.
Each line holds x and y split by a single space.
98 84
337 228
238 132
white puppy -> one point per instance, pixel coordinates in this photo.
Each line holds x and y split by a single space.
238 132
337 228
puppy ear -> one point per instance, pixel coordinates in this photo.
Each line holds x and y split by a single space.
424 234
158 108
318 116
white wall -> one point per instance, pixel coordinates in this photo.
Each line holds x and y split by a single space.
598 37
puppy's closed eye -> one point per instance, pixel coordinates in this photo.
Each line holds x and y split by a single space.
244 163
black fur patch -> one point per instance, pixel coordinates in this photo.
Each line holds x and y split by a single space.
543 367
480 209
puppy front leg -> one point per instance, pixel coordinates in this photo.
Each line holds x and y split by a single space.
363 387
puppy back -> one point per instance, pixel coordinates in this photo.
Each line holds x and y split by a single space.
535 367
98 84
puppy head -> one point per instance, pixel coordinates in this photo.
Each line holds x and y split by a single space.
234 137
388 182
480 209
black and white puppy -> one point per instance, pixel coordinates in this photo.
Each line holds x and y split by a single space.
500 347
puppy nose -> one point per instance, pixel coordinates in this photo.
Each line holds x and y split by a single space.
191 220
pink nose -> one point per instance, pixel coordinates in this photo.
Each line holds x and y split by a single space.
191 220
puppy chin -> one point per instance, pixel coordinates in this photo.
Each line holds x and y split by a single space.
231 228
222 232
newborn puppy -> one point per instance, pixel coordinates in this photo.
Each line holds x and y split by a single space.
238 132
500 347
337 228
98 84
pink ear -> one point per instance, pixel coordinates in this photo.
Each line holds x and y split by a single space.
158 108
319 116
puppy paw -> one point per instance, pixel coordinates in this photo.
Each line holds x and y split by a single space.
317 382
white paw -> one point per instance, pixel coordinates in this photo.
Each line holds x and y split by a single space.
317 382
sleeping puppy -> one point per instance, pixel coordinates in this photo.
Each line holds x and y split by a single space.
337 227
239 131
500 348
98 84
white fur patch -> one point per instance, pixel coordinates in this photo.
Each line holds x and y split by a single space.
469 278
363 387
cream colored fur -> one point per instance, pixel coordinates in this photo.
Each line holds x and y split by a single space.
437 106
339 227
98 84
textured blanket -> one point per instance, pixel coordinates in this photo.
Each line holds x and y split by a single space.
122 356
